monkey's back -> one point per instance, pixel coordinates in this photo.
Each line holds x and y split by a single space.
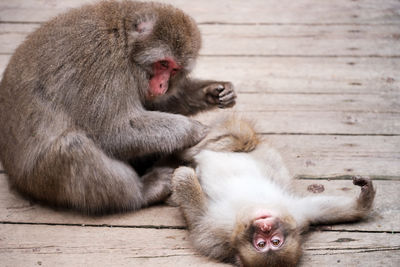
41 93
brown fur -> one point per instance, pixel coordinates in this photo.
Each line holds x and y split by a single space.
74 107
216 238
289 255
227 133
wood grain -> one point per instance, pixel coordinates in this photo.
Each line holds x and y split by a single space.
328 156
318 122
307 76
271 40
321 80
14 209
251 11
28 245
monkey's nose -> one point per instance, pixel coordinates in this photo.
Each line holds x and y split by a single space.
265 227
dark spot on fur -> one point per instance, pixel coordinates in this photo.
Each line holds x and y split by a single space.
114 31
40 91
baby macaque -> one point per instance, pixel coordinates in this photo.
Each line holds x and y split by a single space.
92 91
239 204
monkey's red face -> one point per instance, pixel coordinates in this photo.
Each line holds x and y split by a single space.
163 70
267 234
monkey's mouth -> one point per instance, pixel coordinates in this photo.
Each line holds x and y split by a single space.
265 223
262 214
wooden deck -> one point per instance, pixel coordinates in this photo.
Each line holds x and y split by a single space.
321 78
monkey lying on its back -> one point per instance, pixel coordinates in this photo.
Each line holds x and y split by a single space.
238 206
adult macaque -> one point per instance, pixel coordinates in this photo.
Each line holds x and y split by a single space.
95 88
239 206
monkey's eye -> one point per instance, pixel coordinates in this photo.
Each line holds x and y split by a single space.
261 244
174 71
164 64
275 242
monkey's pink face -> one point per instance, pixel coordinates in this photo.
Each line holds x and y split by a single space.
163 70
267 234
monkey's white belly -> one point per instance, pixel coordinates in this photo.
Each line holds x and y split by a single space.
231 180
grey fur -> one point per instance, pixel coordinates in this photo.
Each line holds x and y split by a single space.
73 106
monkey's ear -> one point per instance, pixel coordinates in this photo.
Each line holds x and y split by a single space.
143 29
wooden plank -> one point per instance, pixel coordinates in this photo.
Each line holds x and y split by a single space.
28 245
345 102
14 209
3 63
251 11
318 122
329 156
12 35
305 75
376 76
24 245
350 258
298 40
270 40
351 249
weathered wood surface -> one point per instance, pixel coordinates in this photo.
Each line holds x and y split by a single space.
321 80
235 12
31 245
309 76
328 156
271 40
323 122
323 113
386 215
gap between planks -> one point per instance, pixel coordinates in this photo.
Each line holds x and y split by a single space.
16 210
219 23
261 11
320 228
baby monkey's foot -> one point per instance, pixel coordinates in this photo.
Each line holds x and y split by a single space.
367 194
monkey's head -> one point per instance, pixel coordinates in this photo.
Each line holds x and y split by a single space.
267 239
165 43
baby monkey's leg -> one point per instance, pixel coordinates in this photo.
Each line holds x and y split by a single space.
187 193
336 209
